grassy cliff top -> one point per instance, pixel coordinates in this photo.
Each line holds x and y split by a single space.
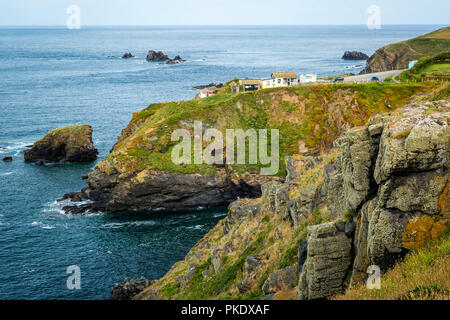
309 119
403 52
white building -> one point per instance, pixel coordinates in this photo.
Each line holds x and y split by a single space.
280 79
206 93
283 79
308 77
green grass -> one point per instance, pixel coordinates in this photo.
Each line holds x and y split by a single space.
431 44
308 114
423 274
428 67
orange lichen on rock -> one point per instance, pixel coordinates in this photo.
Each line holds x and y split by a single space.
420 230
443 203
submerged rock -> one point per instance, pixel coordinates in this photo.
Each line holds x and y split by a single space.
72 144
8 159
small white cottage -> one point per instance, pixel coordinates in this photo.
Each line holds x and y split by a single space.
283 79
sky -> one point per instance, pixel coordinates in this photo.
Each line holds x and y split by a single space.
222 12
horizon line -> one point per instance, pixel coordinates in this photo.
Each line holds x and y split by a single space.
218 25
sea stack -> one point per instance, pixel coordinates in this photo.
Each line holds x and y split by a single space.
354 55
66 144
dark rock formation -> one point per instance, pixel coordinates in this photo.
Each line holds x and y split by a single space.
179 59
354 55
8 159
157 56
129 288
120 192
212 84
71 144
329 257
127 56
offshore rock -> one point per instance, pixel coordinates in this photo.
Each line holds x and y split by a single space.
71 144
355 55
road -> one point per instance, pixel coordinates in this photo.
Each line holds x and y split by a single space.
366 77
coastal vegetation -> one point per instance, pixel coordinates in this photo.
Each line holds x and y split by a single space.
309 237
423 275
310 115
437 68
399 55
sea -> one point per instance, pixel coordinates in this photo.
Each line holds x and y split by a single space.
52 77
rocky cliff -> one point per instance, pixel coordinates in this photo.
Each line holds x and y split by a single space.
380 193
139 172
398 55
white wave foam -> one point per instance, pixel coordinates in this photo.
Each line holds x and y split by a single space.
118 225
196 227
7 173
42 225
15 147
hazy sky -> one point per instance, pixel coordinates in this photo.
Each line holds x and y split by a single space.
222 12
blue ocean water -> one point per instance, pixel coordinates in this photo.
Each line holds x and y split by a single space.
52 77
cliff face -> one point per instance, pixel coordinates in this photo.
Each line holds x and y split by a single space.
398 55
139 172
381 192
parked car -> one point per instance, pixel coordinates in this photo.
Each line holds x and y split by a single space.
338 79
375 79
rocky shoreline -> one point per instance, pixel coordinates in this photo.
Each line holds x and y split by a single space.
156 190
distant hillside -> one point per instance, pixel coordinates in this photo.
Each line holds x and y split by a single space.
398 55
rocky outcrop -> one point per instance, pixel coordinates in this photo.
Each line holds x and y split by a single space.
129 288
355 55
381 192
151 189
127 56
156 56
328 260
211 85
394 175
67 144
159 56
